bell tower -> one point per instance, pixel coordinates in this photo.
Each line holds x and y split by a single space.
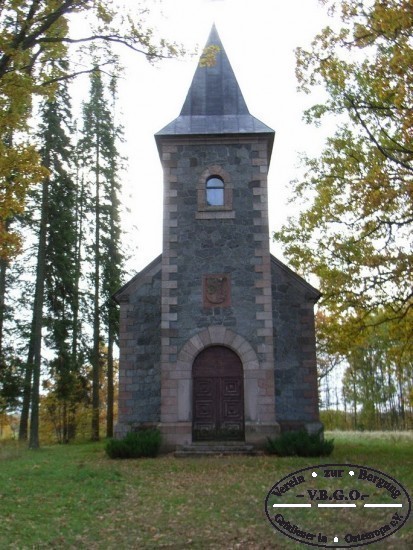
217 334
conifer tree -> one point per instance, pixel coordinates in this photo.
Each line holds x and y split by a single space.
60 279
101 161
112 260
54 285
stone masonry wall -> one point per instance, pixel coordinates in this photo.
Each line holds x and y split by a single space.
233 241
296 396
140 344
216 245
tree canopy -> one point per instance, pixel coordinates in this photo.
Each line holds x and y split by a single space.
33 33
354 230
60 188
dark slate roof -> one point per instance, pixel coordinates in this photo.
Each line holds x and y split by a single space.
215 104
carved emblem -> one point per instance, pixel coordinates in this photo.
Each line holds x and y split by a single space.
216 290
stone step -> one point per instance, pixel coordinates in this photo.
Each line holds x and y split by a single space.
216 449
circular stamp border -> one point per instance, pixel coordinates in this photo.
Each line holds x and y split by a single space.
346 465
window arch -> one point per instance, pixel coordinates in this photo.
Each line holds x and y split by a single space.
215 191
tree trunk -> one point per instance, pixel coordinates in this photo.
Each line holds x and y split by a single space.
27 391
3 270
355 403
27 388
402 413
96 311
78 255
38 318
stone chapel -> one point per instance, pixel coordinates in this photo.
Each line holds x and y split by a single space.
217 339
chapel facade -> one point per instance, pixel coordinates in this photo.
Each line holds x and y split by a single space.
217 338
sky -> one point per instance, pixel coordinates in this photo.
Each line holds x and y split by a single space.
259 38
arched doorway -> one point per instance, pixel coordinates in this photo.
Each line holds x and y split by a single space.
218 395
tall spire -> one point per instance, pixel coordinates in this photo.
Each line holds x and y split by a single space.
214 104
214 89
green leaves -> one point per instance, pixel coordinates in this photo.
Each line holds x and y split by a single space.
360 187
34 37
209 56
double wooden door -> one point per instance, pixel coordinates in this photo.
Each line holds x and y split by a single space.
218 395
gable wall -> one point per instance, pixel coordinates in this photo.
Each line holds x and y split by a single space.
140 348
296 395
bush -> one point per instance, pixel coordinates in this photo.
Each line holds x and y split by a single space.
300 443
143 443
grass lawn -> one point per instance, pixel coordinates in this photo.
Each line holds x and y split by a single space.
75 497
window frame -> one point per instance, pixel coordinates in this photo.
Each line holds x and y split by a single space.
206 210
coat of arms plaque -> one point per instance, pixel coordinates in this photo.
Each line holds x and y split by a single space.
216 291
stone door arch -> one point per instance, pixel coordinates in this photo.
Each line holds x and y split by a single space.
218 395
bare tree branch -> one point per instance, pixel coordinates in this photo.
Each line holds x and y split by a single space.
75 74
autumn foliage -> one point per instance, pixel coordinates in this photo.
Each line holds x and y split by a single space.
355 200
355 226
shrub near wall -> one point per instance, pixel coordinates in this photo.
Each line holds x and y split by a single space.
300 443
144 443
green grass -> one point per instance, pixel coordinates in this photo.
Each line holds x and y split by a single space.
76 497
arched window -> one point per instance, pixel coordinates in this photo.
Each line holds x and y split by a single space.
215 191
214 194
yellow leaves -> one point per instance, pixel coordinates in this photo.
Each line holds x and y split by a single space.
209 56
30 36
104 14
10 242
355 231
378 33
19 169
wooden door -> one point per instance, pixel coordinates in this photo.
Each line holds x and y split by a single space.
218 395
